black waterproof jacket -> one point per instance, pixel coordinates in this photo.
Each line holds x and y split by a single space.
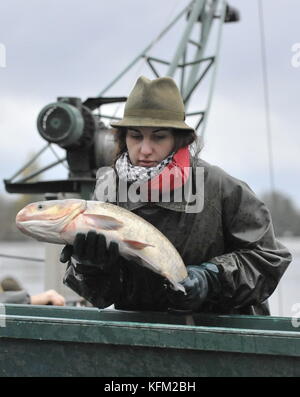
232 229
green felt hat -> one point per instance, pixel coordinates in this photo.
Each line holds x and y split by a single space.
154 103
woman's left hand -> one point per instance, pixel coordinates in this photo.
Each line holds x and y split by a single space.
197 288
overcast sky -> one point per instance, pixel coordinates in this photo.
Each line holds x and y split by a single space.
74 48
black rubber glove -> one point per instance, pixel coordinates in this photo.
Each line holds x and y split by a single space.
91 250
96 275
201 284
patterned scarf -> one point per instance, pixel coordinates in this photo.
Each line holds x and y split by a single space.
171 174
132 173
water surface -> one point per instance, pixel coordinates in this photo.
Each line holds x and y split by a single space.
32 274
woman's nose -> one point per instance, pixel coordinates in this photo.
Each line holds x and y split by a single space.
146 147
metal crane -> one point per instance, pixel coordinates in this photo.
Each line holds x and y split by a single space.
78 127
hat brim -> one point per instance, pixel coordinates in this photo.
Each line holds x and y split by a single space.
150 122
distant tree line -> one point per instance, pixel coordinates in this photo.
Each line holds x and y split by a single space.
285 215
10 205
8 211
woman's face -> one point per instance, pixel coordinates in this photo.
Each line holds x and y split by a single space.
148 146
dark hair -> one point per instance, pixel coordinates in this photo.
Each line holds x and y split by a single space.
182 138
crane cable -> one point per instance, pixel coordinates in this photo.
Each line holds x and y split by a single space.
142 62
266 95
268 121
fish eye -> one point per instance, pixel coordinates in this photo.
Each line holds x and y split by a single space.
40 206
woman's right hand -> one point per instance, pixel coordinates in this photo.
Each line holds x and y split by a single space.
96 274
91 249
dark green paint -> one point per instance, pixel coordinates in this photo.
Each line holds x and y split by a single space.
54 341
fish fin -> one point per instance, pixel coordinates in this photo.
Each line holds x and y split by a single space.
103 222
175 285
137 245
178 287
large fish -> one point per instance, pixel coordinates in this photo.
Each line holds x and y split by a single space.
58 221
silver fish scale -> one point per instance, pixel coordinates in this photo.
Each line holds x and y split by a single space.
161 257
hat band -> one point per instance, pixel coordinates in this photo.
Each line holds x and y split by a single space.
155 113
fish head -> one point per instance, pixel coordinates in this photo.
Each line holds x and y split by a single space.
44 220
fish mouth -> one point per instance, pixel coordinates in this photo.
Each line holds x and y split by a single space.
20 217
20 227
24 230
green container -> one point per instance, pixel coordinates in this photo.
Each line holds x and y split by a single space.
60 341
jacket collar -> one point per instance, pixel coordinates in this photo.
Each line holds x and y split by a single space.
177 200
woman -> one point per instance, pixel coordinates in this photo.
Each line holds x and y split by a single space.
226 238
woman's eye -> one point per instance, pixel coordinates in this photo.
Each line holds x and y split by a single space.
133 136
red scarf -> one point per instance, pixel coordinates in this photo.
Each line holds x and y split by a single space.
174 175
